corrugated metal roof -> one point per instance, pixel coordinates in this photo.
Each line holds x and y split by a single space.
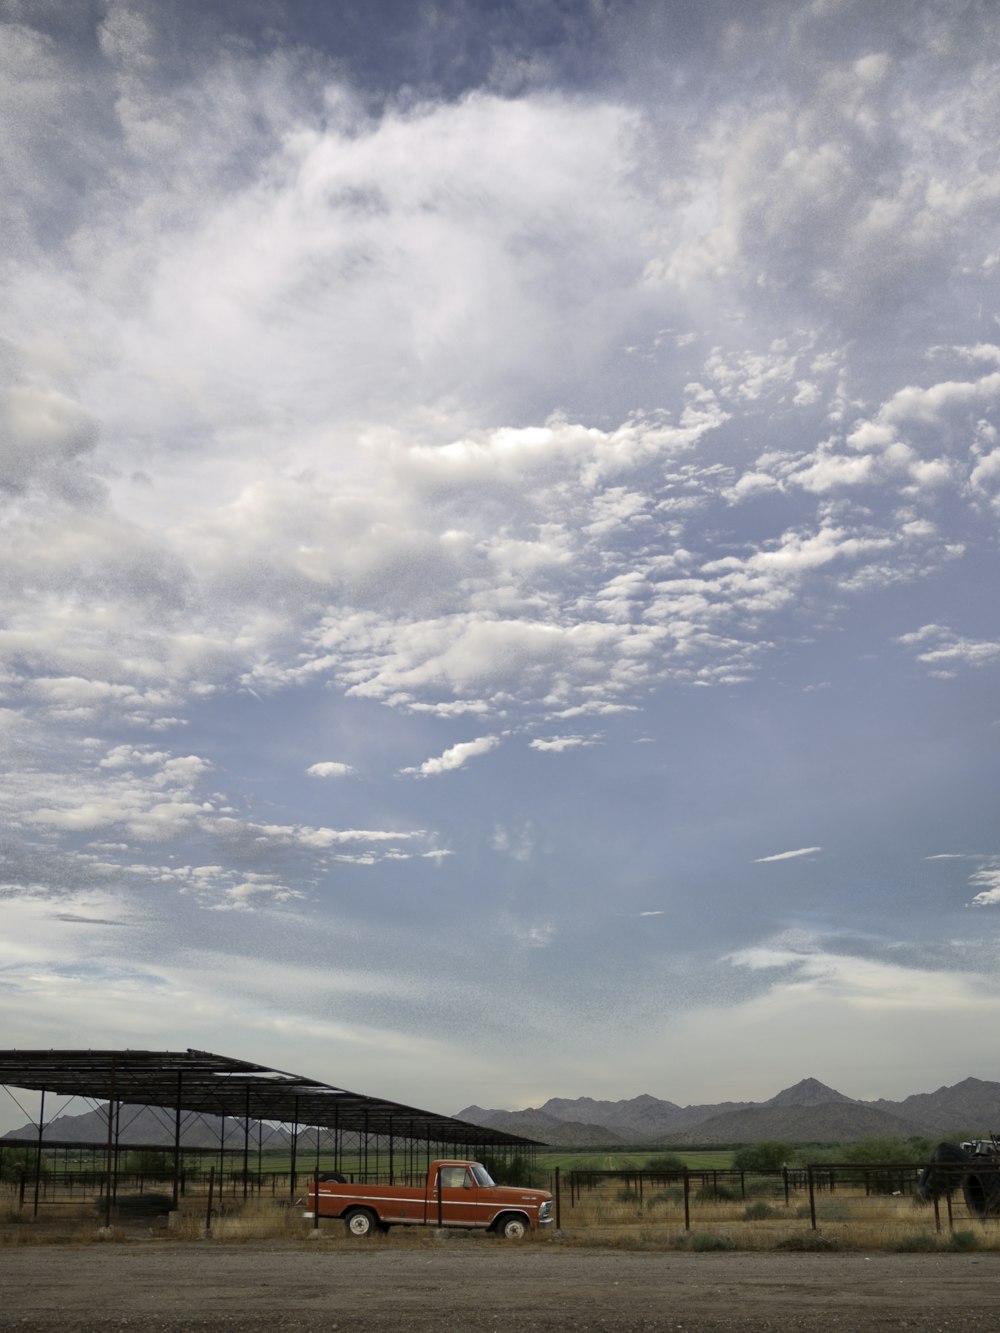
219 1085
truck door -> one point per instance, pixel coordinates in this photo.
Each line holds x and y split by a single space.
459 1196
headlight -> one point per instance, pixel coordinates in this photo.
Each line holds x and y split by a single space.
545 1211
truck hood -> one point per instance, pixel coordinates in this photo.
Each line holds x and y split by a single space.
513 1192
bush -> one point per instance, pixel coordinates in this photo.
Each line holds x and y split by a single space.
767 1186
963 1240
812 1240
153 1165
701 1240
756 1212
662 1197
716 1194
19 1162
877 1150
919 1243
827 1210
769 1155
669 1162
516 1170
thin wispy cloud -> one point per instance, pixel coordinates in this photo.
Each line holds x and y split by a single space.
787 856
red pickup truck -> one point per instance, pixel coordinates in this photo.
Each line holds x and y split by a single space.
456 1194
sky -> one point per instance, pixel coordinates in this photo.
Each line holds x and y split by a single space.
498 555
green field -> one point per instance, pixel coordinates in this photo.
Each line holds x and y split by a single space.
587 1159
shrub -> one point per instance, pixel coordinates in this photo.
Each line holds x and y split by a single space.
918 1243
702 1240
963 1240
878 1150
662 1197
716 1194
668 1162
18 1162
769 1155
812 1240
768 1186
755 1212
153 1165
517 1170
827 1210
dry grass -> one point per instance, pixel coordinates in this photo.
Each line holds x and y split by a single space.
607 1216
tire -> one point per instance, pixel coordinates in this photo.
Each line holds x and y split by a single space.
943 1174
981 1188
361 1222
511 1226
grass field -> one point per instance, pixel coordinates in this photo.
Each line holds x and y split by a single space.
608 1216
586 1159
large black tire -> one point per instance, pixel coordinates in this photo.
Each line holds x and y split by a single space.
511 1226
943 1174
361 1223
982 1191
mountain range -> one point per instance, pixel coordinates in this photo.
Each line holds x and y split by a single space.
807 1112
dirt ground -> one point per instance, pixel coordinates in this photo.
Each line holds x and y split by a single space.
477 1285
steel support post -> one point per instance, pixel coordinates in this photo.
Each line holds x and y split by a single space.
38 1153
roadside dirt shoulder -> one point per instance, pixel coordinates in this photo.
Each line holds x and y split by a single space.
271 1286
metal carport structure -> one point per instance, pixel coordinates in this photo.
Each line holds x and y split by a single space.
202 1083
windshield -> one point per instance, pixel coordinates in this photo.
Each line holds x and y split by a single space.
483 1177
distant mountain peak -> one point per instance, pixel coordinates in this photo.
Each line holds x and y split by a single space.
808 1092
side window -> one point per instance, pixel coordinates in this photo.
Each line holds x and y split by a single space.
453 1177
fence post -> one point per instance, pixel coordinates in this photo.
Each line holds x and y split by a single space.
784 1172
937 1215
558 1192
211 1194
687 1200
812 1198
316 1200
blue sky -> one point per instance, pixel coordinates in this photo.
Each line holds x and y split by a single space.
499 518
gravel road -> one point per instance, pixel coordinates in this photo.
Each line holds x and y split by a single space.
293 1287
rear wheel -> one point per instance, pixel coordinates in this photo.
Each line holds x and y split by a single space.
512 1226
982 1192
361 1222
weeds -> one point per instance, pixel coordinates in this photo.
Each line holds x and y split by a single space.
919 1242
810 1240
828 1210
705 1240
716 1193
756 1212
963 1240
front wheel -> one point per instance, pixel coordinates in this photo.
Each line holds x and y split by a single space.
361 1222
512 1227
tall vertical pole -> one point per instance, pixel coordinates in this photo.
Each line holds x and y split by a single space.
38 1152
295 1149
260 1156
111 1146
222 1154
246 1142
177 1142
337 1143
